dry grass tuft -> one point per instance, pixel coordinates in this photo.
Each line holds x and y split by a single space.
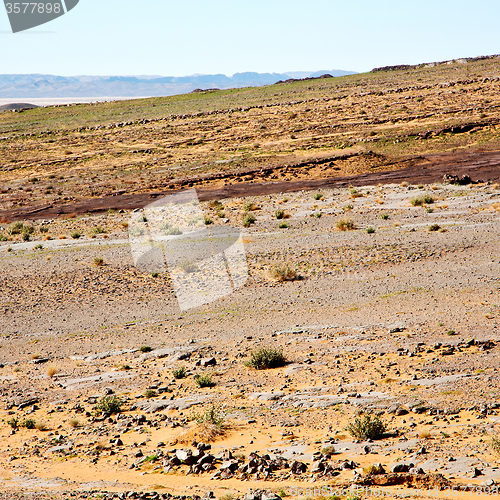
345 225
424 435
283 272
52 370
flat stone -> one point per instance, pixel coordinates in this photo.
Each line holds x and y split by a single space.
151 406
266 396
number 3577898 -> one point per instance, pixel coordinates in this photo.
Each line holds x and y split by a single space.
32 8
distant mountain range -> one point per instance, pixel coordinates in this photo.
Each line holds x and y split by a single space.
34 86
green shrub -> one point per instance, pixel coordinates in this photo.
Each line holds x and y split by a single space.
420 201
179 372
145 348
283 225
317 196
384 216
279 214
16 228
248 220
109 404
29 423
434 227
345 225
150 393
266 357
374 470
207 221
204 380
367 427
13 422
370 230
151 458
76 235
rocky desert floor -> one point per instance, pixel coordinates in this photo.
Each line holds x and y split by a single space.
393 312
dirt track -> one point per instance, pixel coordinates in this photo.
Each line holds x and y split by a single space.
481 166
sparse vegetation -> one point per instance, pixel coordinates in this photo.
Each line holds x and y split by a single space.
495 444
179 372
109 404
150 393
29 423
279 214
145 348
76 235
283 272
345 225
98 261
188 266
367 427
203 380
433 228
420 201
283 225
317 196
370 230
248 220
52 370
374 470
74 423
384 216
266 358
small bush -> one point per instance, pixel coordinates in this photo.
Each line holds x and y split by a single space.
75 235
44 229
41 426
249 207
248 220
204 380
150 393
265 358
429 210
317 196
420 201
283 272
283 225
109 404
51 371
145 348
16 228
98 261
345 225
29 423
495 444
328 450
384 216
170 230
212 415
207 221
434 227
38 247
151 458
74 423
188 266
370 230
179 372
279 214
367 427
374 470
14 423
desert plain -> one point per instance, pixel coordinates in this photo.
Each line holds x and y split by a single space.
373 281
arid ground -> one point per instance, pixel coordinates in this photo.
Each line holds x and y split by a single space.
378 281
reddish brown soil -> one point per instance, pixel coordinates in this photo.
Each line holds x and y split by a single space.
481 166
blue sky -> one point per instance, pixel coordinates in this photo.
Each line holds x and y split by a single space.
184 37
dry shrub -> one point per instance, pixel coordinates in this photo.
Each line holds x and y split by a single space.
345 225
496 206
283 272
424 435
52 370
41 426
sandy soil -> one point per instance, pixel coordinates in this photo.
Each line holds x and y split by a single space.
401 321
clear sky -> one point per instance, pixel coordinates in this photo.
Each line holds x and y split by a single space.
184 37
